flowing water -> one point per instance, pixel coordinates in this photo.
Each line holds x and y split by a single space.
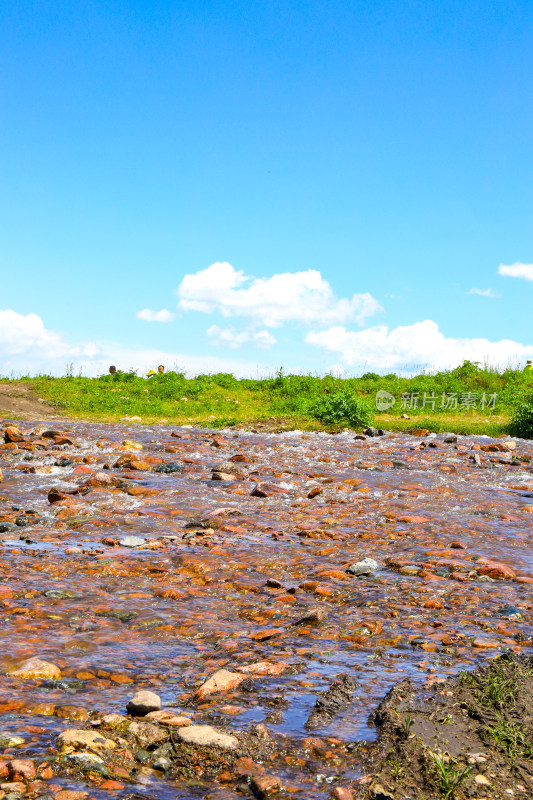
223 579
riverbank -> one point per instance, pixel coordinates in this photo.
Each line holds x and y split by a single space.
467 400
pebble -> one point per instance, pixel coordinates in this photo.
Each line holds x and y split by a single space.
364 567
74 738
206 736
35 668
143 702
132 541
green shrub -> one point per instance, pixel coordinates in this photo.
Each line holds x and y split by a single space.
343 408
522 419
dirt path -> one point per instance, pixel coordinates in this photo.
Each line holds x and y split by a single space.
19 401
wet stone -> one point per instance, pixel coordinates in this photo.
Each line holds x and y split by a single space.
143 702
365 567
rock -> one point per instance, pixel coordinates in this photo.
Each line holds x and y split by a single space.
481 780
13 434
265 785
132 541
21 769
378 792
147 735
89 740
264 668
35 668
342 793
143 702
84 759
165 717
131 445
330 702
162 763
206 736
1 476
10 740
267 490
113 720
222 681
364 567
223 476
312 617
498 571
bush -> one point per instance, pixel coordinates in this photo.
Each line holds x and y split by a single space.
343 408
522 419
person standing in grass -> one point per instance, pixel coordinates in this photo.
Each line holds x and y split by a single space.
528 369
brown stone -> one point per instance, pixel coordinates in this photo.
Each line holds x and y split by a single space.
21 769
222 681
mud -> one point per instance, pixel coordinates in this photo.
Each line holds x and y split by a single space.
127 565
471 737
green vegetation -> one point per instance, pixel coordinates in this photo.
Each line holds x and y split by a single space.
447 776
497 688
522 421
468 399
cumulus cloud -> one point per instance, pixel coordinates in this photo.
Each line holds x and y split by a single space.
286 297
229 337
414 347
517 270
27 347
482 292
155 316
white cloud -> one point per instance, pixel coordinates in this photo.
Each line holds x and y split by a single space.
517 270
229 337
482 292
286 297
155 316
27 347
414 347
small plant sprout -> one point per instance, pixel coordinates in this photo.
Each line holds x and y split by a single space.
447 776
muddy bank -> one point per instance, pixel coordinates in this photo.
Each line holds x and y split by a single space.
271 588
19 401
470 737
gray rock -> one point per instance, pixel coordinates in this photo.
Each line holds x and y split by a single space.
162 763
132 541
143 702
147 735
364 567
206 736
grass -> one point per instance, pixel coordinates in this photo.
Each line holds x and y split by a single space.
485 399
447 776
497 688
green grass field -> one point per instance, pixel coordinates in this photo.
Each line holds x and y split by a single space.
468 399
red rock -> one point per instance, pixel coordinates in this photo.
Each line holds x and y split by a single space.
342 793
267 490
21 769
316 490
111 786
221 681
265 785
264 668
13 434
498 571
485 643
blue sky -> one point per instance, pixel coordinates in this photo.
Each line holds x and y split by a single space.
311 151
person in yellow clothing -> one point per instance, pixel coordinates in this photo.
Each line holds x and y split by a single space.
528 369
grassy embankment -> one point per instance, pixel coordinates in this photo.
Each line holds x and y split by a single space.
291 401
